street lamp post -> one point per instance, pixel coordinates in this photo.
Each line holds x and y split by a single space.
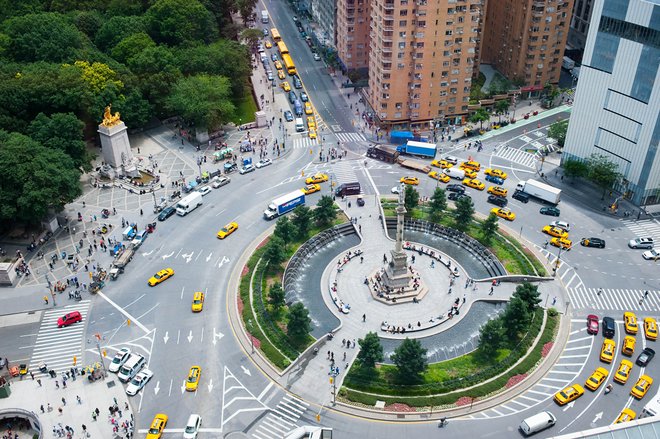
98 348
557 262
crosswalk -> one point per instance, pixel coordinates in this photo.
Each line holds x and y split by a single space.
647 227
614 299
350 137
518 156
57 346
304 142
343 171
281 419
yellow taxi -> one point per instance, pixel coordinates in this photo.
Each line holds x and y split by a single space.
607 351
439 176
409 180
278 65
569 394
626 415
161 276
475 166
630 322
596 379
496 173
198 301
555 231
564 243
308 108
628 347
281 74
318 178
623 372
311 122
641 386
650 328
311 188
157 426
312 133
444 164
474 183
285 86
268 44
193 378
470 173
497 190
503 213
227 230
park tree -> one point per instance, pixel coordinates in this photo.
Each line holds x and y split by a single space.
61 131
89 23
410 198
463 213
116 29
98 86
529 294
410 360
42 37
299 323
275 252
325 212
302 219
134 109
502 108
516 318
276 295
246 8
558 131
131 46
203 99
575 168
285 229
251 36
603 172
489 228
438 203
490 339
480 116
371 351
157 74
180 23
125 7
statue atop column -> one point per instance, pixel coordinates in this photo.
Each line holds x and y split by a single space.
396 273
109 119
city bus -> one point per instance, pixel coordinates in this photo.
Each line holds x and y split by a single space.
288 64
282 47
276 35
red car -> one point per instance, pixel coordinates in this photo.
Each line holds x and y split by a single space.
69 319
592 324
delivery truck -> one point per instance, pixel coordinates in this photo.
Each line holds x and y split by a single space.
383 153
540 190
422 149
191 202
284 204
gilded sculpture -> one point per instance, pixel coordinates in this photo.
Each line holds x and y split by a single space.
110 119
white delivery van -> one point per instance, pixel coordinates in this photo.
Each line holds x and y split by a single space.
132 366
455 173
536 423
189 203
300 125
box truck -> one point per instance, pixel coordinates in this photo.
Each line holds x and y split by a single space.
540 190
383 153
189 203
422 149
348 189
284 204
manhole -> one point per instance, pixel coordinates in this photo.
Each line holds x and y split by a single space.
110 384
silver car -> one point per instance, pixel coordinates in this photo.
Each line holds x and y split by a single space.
646 243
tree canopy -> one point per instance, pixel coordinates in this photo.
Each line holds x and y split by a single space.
410 360
299 323
371 351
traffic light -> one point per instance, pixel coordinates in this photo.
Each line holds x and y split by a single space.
75 360
332 380
318 418
128 322
105 353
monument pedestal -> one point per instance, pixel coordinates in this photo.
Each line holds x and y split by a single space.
396 273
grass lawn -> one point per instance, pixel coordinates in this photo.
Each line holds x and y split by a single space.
245 110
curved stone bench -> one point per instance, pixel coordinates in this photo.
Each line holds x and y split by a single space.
420 326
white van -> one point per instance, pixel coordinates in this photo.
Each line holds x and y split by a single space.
536 423
189 203
132 366
455 173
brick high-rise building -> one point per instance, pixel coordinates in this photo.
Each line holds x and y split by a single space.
353 33
421 60
525 39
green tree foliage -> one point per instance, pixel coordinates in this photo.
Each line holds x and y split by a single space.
42 37
516 318
603 172
134 109
203 99
116 29
276 295
410 198
251 36
558 131
126 7
131 46
299 323
410 360
275 252
489 228
463 213
480 116
180 22
325 212
438 203
529 294
89 23
63 132
575 168
97 85
302 221
285 230
158 74
35 180
13 8
246 8
371 351
490 339
502 107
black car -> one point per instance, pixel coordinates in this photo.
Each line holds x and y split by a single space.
552 211
456 188
592 242
166 213
360 201
455 196
645 357
609 327
288 116
498 201
520 196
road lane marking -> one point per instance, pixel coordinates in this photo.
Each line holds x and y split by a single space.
266 389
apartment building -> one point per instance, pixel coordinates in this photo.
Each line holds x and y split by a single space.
577 35
421 61
324 13
525 40
617 103
353 33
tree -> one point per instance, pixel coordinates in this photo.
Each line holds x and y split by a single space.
490 338
299 323
116 29
371 351
134 109
246 8
276 295
275 251
516 318
180 22
575 168
438 203
558 131
285 230
99 85
463 213
42 37
325 212
301 220
489 228
502 107
529 294
410 198
603 172
131 46
157 73
63 132
203 99
251 36
410 360
89 22
480 116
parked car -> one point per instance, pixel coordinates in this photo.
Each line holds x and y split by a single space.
592 324
247 168
220 181
455 196
264 162
645 357
520 196
204 190
643 242
288 116
456 188
495 179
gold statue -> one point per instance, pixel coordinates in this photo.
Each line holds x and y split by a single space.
109 119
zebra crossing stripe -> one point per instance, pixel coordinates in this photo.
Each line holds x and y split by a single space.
614 299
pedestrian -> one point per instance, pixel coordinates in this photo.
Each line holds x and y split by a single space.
97 411
413 259
49 408
32 375
79 400
57 384
63 401
94 415
600 290
364 317
42 409
46 297
126 406
641 299
491 291
59 409
646 294
141 213
343 342
84 427
344 356
353 342
432 263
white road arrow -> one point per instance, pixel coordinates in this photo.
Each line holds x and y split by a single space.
188 257
167 256
246 371
147 254
183 387
157 388
210 386
217 336
190 337
570 405
208 258
167 337
224 261
597 417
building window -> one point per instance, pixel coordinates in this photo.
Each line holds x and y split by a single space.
403 13
605 49
646 73
402 45
403 23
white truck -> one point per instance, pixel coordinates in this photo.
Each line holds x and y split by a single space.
455 173
286 203
539 190
568 63
264 16
191 202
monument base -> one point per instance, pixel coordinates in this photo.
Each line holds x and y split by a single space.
396 290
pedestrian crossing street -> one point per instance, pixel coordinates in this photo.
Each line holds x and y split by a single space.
647 227
57 346
281 419
518 156
614 299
